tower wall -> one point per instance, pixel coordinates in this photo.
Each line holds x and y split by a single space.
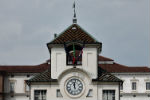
58 62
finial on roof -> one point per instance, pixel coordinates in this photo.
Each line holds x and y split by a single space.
74 16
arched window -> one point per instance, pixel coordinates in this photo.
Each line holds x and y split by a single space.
74 54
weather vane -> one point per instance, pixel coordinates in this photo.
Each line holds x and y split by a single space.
74 16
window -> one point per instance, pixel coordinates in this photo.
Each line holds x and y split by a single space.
26 87
39 94
108 94
74 54
12 86
147 85
90 93
58 93
121 86
133 85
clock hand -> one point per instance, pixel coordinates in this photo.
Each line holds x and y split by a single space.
74 85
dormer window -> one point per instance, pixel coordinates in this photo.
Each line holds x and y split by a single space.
74 54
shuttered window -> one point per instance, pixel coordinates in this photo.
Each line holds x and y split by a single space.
147 85
133 85
39 94
108 94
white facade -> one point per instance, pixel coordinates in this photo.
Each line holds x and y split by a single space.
21 89
127 93
58 61
85 72
96 87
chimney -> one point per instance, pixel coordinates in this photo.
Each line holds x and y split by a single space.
55 35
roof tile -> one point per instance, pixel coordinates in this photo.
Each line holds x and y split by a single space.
112 68
117 68
102 58
25 68
42 77
77 34
108 77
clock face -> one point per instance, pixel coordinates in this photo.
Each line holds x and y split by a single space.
74 86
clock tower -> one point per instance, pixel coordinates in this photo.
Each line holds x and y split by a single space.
74 72
74 55
74 48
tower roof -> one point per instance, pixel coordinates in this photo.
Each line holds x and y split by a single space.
74 33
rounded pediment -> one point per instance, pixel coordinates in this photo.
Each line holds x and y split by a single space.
74 82
74 72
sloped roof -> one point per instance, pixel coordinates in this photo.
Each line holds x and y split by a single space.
104 76
107 77
118 68
74 33
46 77
102 58
42 77
25 68
112 68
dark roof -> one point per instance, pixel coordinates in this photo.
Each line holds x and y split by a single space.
107 77
42 77
46 77
102 58
112 68
72 34
118 68
25 68
104 76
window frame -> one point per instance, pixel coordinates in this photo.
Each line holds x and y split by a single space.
121 86
134 86
137 82
25 87
67 54
107 92
14 87
41 94
58 93
67 62
147 88
90 93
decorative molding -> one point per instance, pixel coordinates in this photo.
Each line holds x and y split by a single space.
132 73
147 80
127 93
134 80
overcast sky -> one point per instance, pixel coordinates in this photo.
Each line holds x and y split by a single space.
121 25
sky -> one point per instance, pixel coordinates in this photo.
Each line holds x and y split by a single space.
26 26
